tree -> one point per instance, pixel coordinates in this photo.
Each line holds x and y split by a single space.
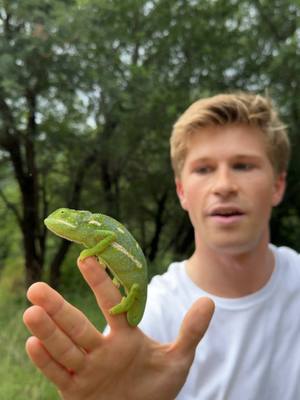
89 92
31 56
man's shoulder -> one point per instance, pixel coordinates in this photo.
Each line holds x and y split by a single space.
286 254
170 276
288 264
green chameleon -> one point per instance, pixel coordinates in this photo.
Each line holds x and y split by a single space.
115 248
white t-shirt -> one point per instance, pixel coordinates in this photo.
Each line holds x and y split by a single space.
251 350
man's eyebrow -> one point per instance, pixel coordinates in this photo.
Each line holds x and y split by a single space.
247 156
241 156
200 159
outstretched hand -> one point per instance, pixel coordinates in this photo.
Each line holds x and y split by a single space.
125 364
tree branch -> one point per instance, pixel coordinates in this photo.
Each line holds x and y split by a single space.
6 134
265 14
11 207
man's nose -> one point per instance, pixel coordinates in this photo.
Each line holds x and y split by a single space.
225 183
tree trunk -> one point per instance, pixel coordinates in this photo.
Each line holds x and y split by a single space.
31 238
55 266
159 224
33 270
59 256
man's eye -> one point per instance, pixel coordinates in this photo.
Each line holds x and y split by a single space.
243 166
203 170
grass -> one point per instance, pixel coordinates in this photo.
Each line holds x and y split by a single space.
20 380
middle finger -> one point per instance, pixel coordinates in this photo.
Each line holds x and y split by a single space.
57 343
70 320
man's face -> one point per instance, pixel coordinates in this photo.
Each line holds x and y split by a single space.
228 187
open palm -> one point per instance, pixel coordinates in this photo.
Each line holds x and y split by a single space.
124 364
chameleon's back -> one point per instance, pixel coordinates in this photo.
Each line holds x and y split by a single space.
122 254
125 259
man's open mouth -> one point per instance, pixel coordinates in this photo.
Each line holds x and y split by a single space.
226 213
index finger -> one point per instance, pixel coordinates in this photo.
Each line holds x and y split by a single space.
106 293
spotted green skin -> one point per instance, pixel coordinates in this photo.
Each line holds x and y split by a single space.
114 246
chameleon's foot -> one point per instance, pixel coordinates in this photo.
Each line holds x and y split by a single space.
126 302
86 253
116 282
99 247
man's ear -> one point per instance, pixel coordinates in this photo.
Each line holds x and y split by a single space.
279 188
180 193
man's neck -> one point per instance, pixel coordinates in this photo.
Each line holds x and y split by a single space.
231 275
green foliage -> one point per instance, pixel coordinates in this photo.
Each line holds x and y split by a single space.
19 379
103 81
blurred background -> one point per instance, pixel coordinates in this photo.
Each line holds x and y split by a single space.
89 91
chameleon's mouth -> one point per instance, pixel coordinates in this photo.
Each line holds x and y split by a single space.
59 226
48 223
53 222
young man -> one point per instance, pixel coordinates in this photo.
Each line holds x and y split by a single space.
230 155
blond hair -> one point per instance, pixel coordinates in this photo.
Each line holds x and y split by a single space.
236 108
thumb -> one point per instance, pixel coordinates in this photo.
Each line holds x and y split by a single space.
194 326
